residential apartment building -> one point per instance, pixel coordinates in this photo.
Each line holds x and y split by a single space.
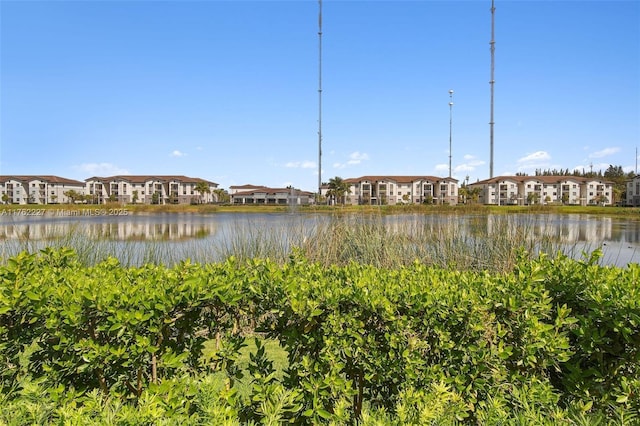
256 194
391 190
527 190
149 189
38 189
633 192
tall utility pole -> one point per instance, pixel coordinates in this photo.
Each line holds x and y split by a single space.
450 127
319 99
492 82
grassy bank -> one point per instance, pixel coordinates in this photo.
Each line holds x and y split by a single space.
627 212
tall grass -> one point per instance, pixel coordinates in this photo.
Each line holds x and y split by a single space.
483 242
469 242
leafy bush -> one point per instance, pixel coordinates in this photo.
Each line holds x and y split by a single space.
555 341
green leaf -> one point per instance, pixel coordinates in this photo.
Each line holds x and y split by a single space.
32 296
324 414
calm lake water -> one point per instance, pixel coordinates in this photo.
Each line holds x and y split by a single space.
212 237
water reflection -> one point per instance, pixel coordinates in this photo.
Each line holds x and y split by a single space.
141 228
183 234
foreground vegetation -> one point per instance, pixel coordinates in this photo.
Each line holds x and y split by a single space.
552 341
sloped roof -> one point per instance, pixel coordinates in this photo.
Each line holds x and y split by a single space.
246 186
542 179
399 178
270 191
147 178
45 178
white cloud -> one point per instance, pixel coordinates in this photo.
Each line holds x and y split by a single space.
176 153
101 169
469 165
471 162
463 168
605 152
354 158
535 160
536 157
357 157
442 168
300 165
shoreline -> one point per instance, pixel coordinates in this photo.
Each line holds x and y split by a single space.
115 209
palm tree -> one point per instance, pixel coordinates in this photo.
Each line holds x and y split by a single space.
222 196
202 188
338 189
474 194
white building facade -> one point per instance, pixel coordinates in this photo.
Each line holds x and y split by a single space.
160 189
529 190
633 192
39 189
392 190
263 195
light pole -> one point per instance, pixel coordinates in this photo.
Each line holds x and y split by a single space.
492 43
450 126
319 100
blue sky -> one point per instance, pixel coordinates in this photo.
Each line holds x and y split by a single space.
228 90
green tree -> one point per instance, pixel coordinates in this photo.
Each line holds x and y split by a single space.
601 199
202 188
72 195
5 198
135 198
619 178
222 196
338 189
463 194
474 194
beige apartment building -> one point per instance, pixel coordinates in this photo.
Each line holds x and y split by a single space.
149 189
633 192
392 190
528 190
38 189
161 189
256 194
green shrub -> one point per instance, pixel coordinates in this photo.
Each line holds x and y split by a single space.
554 341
